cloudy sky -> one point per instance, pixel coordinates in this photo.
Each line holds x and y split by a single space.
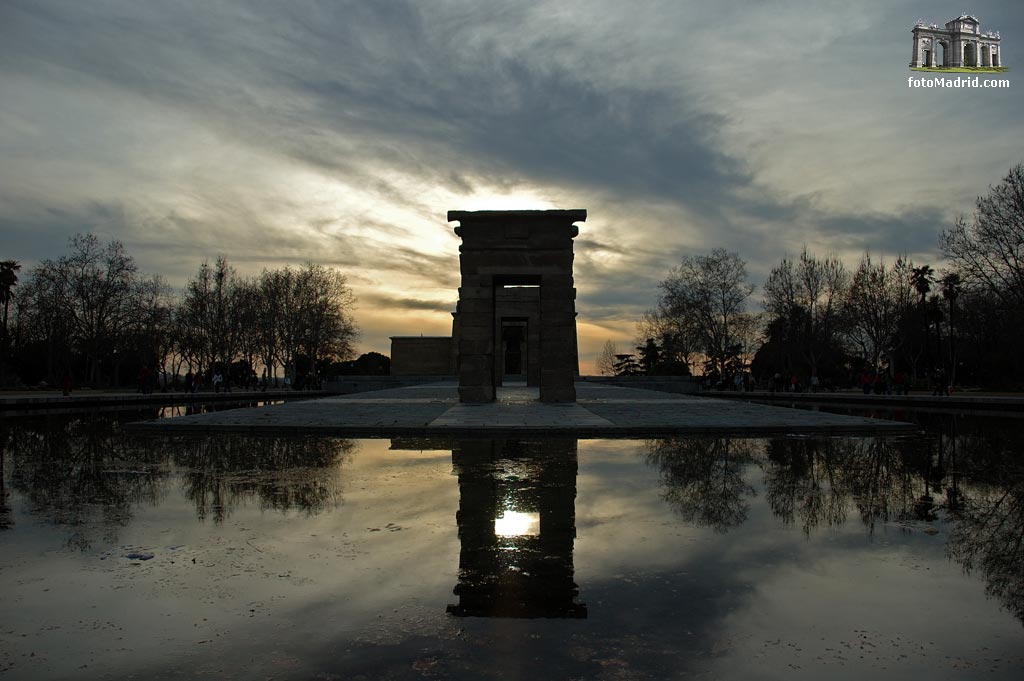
342 132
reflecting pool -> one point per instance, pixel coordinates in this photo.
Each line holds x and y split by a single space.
129 556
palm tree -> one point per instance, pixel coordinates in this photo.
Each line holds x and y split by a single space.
921 279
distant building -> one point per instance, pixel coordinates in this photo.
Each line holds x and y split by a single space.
422 356
960 43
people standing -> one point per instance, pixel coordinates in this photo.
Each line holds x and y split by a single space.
217 380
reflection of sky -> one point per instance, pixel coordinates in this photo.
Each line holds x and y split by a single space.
517 524
366 583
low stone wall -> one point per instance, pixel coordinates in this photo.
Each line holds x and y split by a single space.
666 384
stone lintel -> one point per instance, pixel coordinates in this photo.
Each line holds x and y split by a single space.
504 216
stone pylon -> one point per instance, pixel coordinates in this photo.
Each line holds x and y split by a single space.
516 248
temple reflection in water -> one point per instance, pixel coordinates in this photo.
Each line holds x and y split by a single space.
517 526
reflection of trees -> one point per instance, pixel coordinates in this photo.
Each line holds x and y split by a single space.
968 473
816 481
989 537
6 519
83 472
804 480
704 478
878 475
988 534
282 473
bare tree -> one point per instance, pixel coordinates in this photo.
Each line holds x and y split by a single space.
151 323
247 314
679 338
988 251
878 298
605 363
327 328
303 312
92 289
207 319
274 285
710 292
816 289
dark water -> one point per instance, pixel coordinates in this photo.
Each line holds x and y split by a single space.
326 558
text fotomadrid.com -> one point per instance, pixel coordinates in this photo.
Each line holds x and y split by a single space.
960 81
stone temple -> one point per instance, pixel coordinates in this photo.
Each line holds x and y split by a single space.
516 315
961 43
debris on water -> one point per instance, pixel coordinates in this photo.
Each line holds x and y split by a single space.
139 556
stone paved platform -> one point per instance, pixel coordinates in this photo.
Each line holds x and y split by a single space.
600 411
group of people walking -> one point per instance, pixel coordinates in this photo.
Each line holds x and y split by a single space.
869 381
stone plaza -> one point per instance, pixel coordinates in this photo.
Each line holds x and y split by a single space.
600 411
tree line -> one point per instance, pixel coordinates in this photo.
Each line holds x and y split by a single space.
823 324
92 318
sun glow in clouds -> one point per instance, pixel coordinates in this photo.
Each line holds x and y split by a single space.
518 199
517 524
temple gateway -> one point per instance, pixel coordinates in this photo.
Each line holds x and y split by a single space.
516 315
960 43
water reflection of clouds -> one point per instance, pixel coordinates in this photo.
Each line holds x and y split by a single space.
825 555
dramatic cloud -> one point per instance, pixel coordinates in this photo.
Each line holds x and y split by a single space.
343 132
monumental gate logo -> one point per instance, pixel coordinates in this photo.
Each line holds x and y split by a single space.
960 47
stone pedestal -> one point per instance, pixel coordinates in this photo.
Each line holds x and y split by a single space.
516 248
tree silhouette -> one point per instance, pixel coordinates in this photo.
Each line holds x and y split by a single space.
222 473
710 292
8 280
704 478
989 537
804 481
988 251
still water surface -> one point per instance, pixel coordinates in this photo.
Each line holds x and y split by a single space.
123 556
